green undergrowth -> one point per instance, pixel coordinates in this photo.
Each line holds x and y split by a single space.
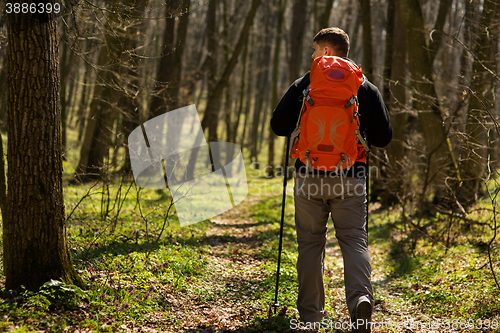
440 266
142 269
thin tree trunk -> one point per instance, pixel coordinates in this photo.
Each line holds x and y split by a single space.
366 20
242 93
274 91
249 92
389 43
482 90
84 101
211 103
397 97
105 106
66 61
161 100
297 29
326 14
263 82
227 97
391 183
130 100
439 153
437 32
212 116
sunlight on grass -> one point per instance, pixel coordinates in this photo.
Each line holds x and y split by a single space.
143 269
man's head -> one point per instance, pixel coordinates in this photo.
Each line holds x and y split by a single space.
331 41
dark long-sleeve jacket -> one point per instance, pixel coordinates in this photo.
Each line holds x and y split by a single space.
374 119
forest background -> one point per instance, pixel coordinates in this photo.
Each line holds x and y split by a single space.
74 84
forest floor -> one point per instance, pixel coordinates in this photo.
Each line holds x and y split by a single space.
219 275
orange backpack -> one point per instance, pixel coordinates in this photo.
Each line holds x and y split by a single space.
328 121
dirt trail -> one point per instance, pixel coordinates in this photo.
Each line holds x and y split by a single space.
234 241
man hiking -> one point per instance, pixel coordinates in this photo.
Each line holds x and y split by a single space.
330 172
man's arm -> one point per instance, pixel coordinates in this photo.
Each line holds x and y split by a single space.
374 115
287 112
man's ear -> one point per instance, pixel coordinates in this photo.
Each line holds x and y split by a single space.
327 51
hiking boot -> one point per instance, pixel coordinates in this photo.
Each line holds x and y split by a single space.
363 316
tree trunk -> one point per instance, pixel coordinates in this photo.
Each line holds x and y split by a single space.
396 100
4 204
326 14
160 102
213 116
105 107
130 101
439 155
366 20
66 62
232 62
87 93
34 242
249 92
482 88
211 102
262 81
274 92
3 92
392 179
437 32
389 44
242 93
228 90
298 25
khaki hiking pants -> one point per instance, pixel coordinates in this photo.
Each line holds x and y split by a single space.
315 198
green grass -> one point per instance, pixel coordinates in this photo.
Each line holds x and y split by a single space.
142 269
133 276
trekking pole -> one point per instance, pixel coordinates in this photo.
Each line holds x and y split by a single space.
276 305
367 188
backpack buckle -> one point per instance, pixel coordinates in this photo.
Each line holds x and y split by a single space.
353 100
306 95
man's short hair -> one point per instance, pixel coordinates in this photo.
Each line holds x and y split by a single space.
335 38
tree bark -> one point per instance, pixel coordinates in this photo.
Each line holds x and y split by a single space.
366 20
297 29
249 91
211 102
35 248
161 100
242 93
438 153
232 63
437 32
396 99
3 93
105 107
130 102
66 62
326 14
391 183
262 81
274 92
482 89
213 115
